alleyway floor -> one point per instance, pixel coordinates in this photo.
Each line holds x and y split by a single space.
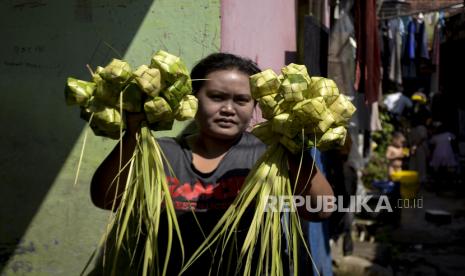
428 241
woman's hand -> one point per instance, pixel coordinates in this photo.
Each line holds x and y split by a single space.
311 184
103 189
134 121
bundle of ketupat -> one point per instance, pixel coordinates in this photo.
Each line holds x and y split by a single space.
293 102
166 81
302 112
163 92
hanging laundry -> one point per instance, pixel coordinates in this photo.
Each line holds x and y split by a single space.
421 38
341 53
431 19
368 59
396 32
367 116
437 39
408 59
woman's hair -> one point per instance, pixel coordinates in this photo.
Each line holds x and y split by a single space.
220 61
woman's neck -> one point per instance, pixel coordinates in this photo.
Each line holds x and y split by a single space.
207 151
210 147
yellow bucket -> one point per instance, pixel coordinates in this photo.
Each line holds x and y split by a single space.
409 183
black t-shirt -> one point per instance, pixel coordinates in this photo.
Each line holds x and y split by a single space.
209 194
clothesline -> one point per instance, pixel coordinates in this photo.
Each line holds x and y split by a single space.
454 6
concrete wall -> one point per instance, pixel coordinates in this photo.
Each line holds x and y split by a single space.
48 226
263 30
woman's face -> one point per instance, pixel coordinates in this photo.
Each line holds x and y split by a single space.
225 104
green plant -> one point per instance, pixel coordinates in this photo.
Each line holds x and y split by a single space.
376 168
383 137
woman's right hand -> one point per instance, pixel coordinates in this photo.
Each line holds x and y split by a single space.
103 192
134 121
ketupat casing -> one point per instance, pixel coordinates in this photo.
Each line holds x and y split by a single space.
187 108
175 92
264 83
323 87
342 110
293 68
294 87
117 72
171 67
333 137
264 132
78 92
286 124
157 109
106 92
105 121
148 79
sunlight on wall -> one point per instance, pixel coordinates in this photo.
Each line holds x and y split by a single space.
50 227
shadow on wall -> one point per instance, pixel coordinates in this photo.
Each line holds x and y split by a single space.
46 43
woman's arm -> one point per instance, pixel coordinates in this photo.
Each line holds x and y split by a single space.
309 186
103 186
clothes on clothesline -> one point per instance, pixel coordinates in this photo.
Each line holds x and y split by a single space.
393 31
368 58
341 54
408 43
367 115
438 37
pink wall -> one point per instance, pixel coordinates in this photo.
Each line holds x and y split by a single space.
262 30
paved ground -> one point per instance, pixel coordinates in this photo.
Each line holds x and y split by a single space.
416 246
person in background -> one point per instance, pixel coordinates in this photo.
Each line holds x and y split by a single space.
443 160
397 104
421 109
419 151
395 152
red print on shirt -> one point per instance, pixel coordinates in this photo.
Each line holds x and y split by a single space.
205 194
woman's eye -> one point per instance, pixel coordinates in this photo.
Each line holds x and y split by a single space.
242 101
216 97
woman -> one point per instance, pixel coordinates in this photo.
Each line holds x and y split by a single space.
211 165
